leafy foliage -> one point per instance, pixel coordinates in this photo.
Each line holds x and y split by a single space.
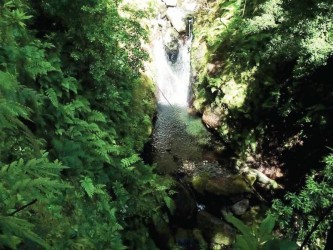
74 113
268 69
262 238
22 182
298 212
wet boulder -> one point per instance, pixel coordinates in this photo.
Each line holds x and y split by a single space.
177 18
215 231
171 44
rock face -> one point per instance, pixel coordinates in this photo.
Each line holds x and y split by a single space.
177 18
170 3
212 117
170 40
215 231
240 207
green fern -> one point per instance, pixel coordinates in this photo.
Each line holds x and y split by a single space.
127 162
70 84
254 239
51 94
90 188
24 181
96 116
15 228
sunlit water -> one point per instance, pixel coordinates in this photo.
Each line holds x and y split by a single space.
178 136
172 79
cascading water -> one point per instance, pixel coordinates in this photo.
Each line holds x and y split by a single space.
178 136
172 79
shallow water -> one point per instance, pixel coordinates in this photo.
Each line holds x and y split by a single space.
178 136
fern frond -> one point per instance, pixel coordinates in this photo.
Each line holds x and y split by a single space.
52 95
96 116
88 186
70 84
127 162
14 226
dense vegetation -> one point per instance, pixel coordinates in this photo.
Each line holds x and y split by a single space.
265 65
74 112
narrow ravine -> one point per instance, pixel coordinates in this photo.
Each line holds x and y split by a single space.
207 184
183 148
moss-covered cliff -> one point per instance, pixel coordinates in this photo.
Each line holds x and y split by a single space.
263 68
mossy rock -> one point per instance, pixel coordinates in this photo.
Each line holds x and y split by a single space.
199 182
217 232
228 186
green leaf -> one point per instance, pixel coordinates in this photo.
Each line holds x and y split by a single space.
277 244
250 240
242 244
266 228
51 94
88 186
21 228
170 204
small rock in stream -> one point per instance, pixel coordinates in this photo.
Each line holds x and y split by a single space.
240 207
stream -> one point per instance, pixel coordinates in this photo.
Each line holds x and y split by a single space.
179 136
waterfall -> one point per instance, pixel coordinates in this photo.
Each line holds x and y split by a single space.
173 143
172 79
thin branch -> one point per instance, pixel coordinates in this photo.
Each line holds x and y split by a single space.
23 207
244 8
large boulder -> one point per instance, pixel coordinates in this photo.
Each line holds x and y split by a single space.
226 186
171 44
177 18
215 231
212 117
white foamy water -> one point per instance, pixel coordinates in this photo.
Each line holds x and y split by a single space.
172 79
173 141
